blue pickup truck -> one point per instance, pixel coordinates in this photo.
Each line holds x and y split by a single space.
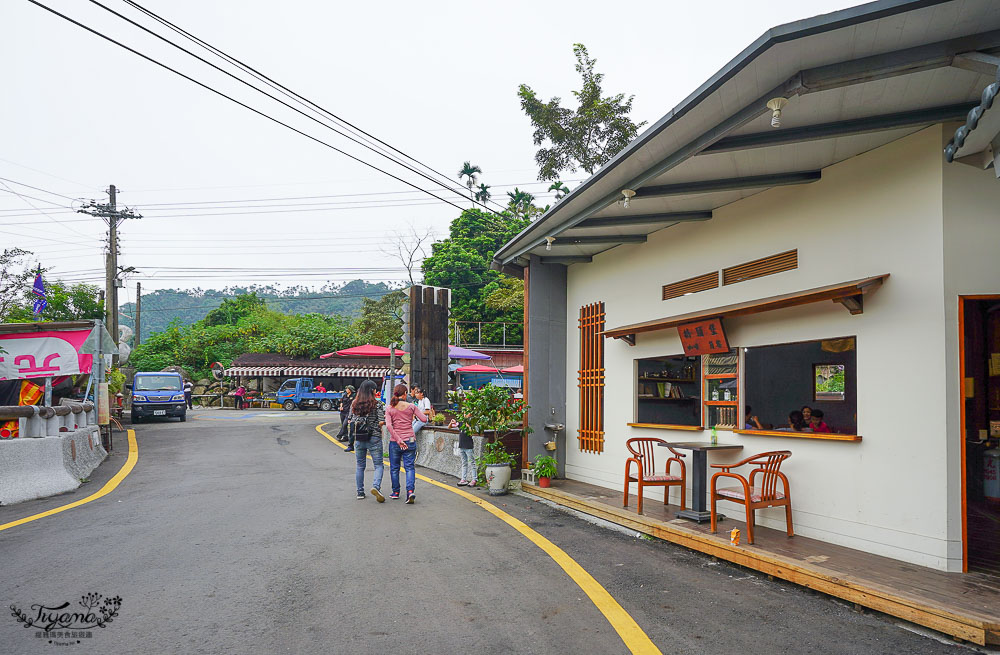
298 392
158 393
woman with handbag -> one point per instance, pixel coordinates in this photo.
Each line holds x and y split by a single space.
365 427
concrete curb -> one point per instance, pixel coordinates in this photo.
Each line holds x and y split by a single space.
38 467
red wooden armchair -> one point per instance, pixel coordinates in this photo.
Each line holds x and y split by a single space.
642 449
756 497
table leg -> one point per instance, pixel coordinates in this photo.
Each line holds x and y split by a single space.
699 487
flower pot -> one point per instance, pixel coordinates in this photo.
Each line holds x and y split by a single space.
544 482
498 477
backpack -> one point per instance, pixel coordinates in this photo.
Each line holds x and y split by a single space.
359 427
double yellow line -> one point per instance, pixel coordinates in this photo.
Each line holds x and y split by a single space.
635 639
109 486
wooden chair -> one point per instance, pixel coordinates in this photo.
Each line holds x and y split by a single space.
643 456
756 497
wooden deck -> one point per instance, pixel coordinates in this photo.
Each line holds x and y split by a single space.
963 605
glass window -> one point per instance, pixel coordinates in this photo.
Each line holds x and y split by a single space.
157 383
805 386
668 390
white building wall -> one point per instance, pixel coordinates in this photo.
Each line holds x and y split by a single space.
880 212
971 267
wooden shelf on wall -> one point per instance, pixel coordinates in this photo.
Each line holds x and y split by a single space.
831 436
722 403
663 426
645 378
721 376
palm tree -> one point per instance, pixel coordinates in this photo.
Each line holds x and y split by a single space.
561 189
483 195
520 201
469 172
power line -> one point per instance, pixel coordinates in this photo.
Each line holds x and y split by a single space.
234 100
305 102
50 217
37 188
14 163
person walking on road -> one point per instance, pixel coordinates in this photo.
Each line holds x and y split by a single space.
365 427
345 411
403 443
465 447
188 388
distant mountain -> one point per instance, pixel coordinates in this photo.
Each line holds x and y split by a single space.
186 306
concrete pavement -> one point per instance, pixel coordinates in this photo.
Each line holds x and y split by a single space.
239 532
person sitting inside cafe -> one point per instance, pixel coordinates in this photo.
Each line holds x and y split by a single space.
752 422
320 388
817 423
796 423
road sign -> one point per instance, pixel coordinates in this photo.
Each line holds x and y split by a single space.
99 341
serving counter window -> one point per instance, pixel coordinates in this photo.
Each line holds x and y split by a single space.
808 387
668 391
721 390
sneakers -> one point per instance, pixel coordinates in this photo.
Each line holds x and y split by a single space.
463 482
410 498
361 495
378 495
349 449
394 495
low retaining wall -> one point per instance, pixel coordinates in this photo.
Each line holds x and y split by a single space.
38 467
438 449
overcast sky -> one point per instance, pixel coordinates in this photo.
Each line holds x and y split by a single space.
437 80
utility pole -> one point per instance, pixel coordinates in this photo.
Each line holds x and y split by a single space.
138 313
113 217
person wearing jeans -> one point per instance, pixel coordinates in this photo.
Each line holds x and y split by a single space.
365 425
465 447
361 451
424 405
403 445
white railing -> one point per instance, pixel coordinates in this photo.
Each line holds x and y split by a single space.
35 421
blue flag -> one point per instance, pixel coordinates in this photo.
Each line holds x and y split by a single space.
39 290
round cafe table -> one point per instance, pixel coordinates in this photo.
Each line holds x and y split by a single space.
699 483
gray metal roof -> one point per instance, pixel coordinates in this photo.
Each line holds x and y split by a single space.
855 79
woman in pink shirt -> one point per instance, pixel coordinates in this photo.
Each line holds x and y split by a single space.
402 442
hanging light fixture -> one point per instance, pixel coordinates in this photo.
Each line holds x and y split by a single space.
628 194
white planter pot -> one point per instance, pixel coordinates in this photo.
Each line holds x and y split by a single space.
498 477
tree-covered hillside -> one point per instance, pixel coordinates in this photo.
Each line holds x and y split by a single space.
187 306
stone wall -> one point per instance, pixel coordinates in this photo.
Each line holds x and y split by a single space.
44 466
437 449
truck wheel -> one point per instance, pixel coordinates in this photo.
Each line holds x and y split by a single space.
325 406
183 417
136 419
289 405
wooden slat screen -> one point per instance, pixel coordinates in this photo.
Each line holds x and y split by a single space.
591 378
779 263
691 285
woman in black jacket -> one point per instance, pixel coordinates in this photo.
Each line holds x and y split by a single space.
365 428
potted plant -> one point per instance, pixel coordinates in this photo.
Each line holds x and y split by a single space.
545 469
492 410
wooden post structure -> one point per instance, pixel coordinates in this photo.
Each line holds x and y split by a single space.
425 335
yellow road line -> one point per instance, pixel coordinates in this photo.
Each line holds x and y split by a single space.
109 486
635 639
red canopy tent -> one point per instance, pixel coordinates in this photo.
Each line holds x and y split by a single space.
366 350
476 368
513 369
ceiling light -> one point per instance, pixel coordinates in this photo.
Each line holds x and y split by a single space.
628 193
776 105
548 242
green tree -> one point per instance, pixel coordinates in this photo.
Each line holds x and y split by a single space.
587 137
561 189
483 195
232 310
461 262
507 297
381 321
469 171
14 280
75 302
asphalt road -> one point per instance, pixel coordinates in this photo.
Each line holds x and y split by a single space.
239 533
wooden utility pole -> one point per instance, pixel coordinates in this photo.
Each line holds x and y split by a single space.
138 313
